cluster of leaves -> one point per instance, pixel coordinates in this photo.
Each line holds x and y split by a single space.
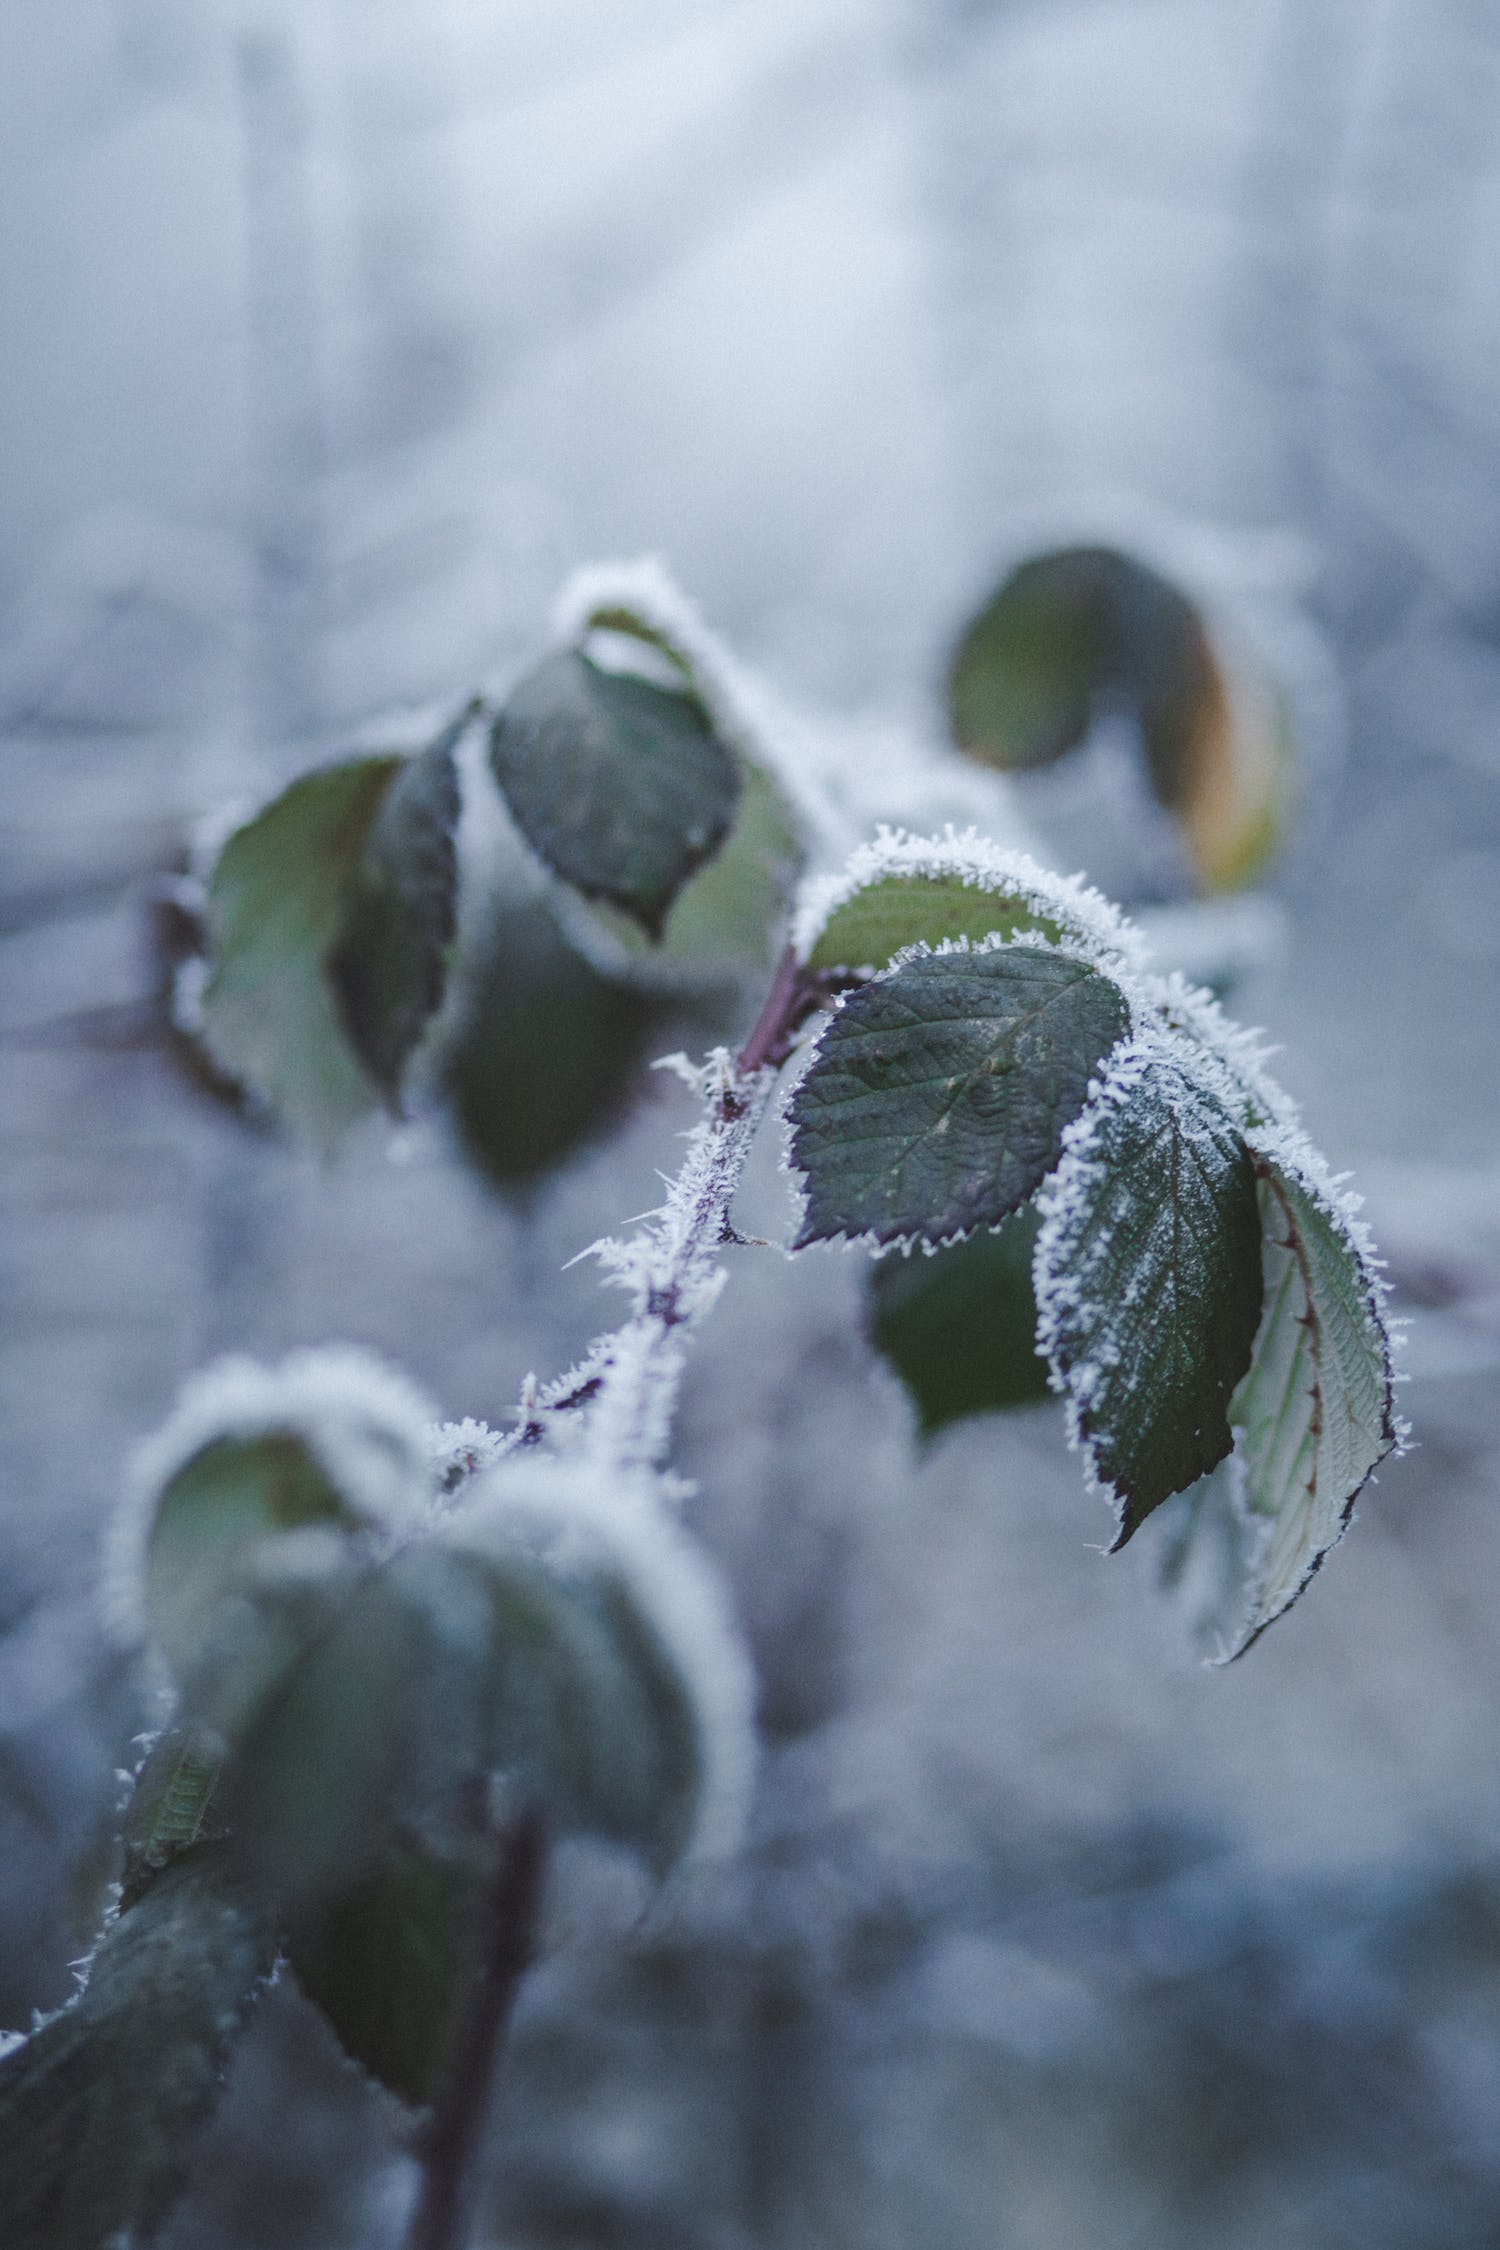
632 847
1005 1075
371 1686
1074 1173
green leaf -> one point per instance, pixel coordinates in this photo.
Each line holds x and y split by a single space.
365 1721
959 1326
901 910
1082 630
546 1050
331 915
1025 676
216 1522
276 903
386 1959
389 957
938 1096
510 1645
98 2108
1149 1280
729 920
1316 1409
620 786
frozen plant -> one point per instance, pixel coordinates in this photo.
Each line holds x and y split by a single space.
398 1659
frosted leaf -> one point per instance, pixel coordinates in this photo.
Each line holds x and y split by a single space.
938 1095
330 913
728 919
1315 1412
659 1741
1209 1546
98 2105
903 890
1148 1278
250 1455
621 786
458 1451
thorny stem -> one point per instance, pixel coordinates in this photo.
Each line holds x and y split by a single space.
628 1380
504 1942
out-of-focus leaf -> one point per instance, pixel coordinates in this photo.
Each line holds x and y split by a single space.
385 1959
498 1647
1209 1541
545 1052
1073 633
276 903
900 910
1316 1409
729 920
959 1326
619 785
98 2108
1149 1279
216 1518
389 956
938 1096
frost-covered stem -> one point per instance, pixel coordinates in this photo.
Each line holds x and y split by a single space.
673 1271
504 1943
628 1380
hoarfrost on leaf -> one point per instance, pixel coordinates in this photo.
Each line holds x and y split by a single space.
939 1094
1316 1410
1148 1277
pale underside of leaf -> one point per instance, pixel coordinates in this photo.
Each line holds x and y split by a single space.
276 902
1315 1411
1149 1278
620 786
939 1094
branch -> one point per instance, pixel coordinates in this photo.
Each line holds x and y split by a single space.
504 1942
628 1380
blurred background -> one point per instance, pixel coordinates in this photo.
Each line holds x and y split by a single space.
334 336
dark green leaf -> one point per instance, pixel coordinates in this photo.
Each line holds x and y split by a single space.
902 910
620 786
1316 1410
389 956
1150 1284
938 1097
276 903
546 1050
1028 670
729 920
368 1720
385 1960
98 2108
959 1326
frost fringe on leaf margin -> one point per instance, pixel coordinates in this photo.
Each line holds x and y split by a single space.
368 1427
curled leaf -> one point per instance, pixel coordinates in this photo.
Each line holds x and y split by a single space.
1080 631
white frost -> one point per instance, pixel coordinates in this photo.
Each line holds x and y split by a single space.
580 1519
362 1420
